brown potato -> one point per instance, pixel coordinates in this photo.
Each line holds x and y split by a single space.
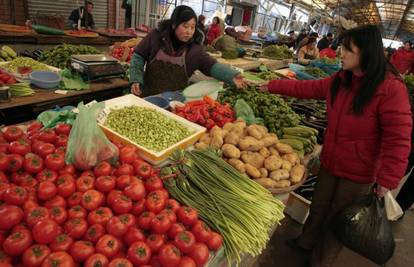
262 129
263 173
273 163
293 158
216 142
286 165
253 131
232 138
238 130
252 158
237 164
273 151
265 182
201 146
296 174
252 171
206 139
228 126
230 151
270 140
284 148
240 123
264 152
281 184
250 144
279 175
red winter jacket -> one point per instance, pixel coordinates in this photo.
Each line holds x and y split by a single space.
367 148
403 60
213 33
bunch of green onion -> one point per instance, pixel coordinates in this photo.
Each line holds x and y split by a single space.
241 210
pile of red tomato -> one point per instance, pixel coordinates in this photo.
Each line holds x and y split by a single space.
123 53
54 215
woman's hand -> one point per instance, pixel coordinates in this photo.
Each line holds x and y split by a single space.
381 191
240 82
135 89
263 87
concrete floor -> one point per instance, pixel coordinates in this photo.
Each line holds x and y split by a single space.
278 254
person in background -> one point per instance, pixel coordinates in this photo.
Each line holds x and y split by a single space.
127 5
79 14
215 30
306 39
300 37
290 41
325 42
329 52
166 58
368 137
308 52
201 27
403 58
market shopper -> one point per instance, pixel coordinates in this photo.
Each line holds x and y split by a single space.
329 52
325 42
308 52
171 54
367 140
403 58
214 31
201 27
78 17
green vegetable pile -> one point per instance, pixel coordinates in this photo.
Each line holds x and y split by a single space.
315 72
72 81
327 60
14 65
59 56
230 54
241 210
267 75
278 52
276 113
21 89
147 127
409 80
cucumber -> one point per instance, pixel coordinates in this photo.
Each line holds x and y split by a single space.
295 144
47 30
296 131
306 142
315 131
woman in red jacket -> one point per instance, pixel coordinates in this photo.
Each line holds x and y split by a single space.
403 58
367 140
215 31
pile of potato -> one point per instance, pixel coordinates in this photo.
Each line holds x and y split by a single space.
256 152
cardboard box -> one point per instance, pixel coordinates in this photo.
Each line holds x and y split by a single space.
297 207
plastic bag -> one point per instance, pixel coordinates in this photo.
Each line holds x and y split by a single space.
363 227
87 144
50 118
392 208
245 112
327 68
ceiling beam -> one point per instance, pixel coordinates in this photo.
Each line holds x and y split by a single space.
409 4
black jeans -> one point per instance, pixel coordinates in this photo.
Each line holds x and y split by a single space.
406 196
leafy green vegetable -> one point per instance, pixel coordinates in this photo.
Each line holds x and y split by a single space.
328 60
409 80
59 56
278 52
72 81
315 72
14 65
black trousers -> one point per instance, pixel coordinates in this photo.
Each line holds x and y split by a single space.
406 196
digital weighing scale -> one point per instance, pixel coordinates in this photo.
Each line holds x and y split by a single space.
97 67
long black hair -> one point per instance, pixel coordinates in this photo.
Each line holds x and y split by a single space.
373 64
181 14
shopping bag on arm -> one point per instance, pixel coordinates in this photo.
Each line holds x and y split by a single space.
392 208
364 228
87 144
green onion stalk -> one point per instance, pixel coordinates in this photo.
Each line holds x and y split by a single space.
241 210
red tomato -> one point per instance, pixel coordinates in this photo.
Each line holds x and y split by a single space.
145 219
63 128
33 164
85 183
55 161
155 242
81 250
17 242
169 255
215 241
119 262
59 259
160 224
103 169
29 205
12 133
15 195
74 199
100 216
142 169
135 191
155 202
173 205
4 146
47 175
77 212
123 181
175 229
47 136
95 232
65 185
68 169
44 149
201 231
29 182
105 183
122 205
36 215
139 253
153 183
116 226
20 147
92 199
4 161
34 126
58 214
5 260
187 262
132 235
10 216
35 255
46 190
88 173
108 245
96 260
61 243
15 162
138 207
45 231
76 227
128 154
187 215
61 140
199 254
112 195
170 215
124 169
61 150
185 241
56 201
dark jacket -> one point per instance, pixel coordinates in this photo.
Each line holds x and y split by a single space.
372 147
74 17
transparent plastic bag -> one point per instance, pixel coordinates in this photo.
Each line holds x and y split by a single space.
245 112
87 144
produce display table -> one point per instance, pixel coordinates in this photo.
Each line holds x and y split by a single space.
275 64
20 109
242 63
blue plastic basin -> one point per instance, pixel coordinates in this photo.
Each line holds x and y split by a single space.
173 96
45 79
159 101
